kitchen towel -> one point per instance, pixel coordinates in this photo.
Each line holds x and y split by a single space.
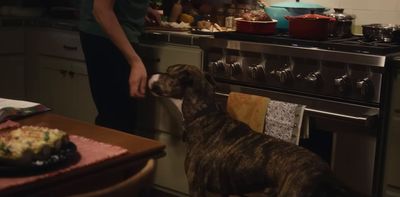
283 120
91 152
248 108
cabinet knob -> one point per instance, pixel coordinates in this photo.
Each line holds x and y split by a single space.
71 74
63 73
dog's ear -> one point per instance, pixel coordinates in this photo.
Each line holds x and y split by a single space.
210 79
185 78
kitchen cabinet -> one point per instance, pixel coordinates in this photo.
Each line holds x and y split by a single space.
12 63
159 114
65 88
56 73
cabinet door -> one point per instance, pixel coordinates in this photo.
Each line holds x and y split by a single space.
65 88
84 105
56 90
12 63
12 76
159 113
158 57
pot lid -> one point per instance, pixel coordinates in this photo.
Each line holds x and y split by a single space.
312 17
298 4
340 15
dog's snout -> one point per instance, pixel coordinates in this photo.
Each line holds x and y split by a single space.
156 89
154 85
154 78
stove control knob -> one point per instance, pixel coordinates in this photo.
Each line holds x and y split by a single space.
257 72
314 79
283 76
342 84
236 69
218 67
365 87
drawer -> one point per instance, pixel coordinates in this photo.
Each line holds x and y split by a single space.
58 43
60 64
12 41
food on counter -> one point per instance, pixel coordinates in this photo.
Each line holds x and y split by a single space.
186 18
26 144
256 15
176 10
207 26
181 25
203 24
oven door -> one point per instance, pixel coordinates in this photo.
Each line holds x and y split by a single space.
343 134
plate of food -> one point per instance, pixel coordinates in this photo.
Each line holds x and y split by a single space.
32 150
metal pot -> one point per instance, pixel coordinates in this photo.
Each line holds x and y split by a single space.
291 8
342 26
380 32
309 26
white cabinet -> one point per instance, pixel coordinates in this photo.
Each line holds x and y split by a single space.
12 63
56 73
161 115
65 88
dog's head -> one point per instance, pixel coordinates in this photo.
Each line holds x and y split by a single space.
180 80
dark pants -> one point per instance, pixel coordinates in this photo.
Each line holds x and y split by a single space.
108 76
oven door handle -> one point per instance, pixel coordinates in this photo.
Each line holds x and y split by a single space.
367 120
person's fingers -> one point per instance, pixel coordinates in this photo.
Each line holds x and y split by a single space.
136 89
143 84
147 19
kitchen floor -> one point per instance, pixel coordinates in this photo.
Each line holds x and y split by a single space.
159 193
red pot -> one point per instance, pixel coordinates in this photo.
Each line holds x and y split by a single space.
310 26
256 27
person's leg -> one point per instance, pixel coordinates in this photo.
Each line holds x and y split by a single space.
108 76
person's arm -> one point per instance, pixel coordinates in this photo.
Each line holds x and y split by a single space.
103 11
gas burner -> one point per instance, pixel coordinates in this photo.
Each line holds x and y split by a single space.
355 44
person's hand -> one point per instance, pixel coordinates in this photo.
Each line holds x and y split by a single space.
138 79
153 16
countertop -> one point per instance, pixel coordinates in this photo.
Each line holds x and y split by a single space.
177 37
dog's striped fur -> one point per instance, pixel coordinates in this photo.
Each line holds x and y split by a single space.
225 156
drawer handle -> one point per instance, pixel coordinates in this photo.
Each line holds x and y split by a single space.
63 73
71 48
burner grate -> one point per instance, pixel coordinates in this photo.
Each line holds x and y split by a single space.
355 44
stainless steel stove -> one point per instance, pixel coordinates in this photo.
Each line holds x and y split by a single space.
345 84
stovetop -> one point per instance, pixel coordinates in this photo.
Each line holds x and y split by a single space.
355 44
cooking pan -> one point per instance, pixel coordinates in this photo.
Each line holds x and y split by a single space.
278 11
381 32
309 26
256 27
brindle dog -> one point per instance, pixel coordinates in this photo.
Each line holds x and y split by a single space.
225 156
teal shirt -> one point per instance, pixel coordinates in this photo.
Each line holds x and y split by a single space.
130 14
